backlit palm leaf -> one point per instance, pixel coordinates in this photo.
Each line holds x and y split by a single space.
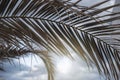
53 24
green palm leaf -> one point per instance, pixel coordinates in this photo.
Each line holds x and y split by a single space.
53 24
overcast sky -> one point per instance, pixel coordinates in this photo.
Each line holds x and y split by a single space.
65 68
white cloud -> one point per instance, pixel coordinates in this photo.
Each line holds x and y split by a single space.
24 71
78 70
65 70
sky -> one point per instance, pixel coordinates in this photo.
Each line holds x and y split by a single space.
65 68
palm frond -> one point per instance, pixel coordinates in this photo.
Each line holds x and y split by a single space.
53 24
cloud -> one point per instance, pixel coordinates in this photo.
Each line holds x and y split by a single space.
24 71
65 70
78 71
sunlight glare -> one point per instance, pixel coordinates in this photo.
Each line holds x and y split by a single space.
64 66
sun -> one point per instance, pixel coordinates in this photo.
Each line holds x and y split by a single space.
64 66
